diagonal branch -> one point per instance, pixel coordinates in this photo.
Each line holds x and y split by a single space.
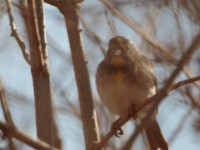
165 90
139 30
10 131
184 82
92 35
122 121
156 98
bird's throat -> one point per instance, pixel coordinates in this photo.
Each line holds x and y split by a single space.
119 75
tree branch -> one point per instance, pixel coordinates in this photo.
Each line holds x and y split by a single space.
164 91
139 30
6 112
91 134
10 131
15 33
184 82
41 78
156 99
5 105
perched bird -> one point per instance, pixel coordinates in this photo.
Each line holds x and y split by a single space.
125 79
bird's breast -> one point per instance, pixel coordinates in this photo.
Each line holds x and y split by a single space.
117 93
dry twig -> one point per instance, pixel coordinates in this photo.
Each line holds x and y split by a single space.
7 113
70 11
10 131
92 36
5 107
15 33
164 91
139 30
156 99
41 77
184 82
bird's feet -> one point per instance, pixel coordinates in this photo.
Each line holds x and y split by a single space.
116 128
133 113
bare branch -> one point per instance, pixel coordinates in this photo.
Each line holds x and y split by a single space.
156 98
190 75
5 105
180 126
10 131
146 37
92 36
90 127
164 91
41 78
184 82
121 121
15 33
137 29
7 113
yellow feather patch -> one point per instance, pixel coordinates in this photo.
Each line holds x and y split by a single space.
119 75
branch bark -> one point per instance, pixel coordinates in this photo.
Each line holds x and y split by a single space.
42 33
139 30
7 113
15 32
156 99
10 131
70 11
41 78
164 91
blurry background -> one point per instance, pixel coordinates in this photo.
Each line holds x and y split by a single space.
173 24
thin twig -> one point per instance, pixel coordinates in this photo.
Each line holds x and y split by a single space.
180 126
142 33
121 121
92 36
194 101
15 33
156 98
10 131
7 113
190 75
184 82
4 103
164 91
110 23
172 87
137 29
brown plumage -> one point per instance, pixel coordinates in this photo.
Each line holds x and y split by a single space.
124 79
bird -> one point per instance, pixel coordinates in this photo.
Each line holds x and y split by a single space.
124 80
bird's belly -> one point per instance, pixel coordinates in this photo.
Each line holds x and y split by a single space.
120 97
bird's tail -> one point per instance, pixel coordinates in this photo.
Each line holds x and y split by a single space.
155 138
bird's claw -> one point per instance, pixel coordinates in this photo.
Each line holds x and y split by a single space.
118 131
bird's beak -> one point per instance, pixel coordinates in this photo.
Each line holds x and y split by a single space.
118 52
117 59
